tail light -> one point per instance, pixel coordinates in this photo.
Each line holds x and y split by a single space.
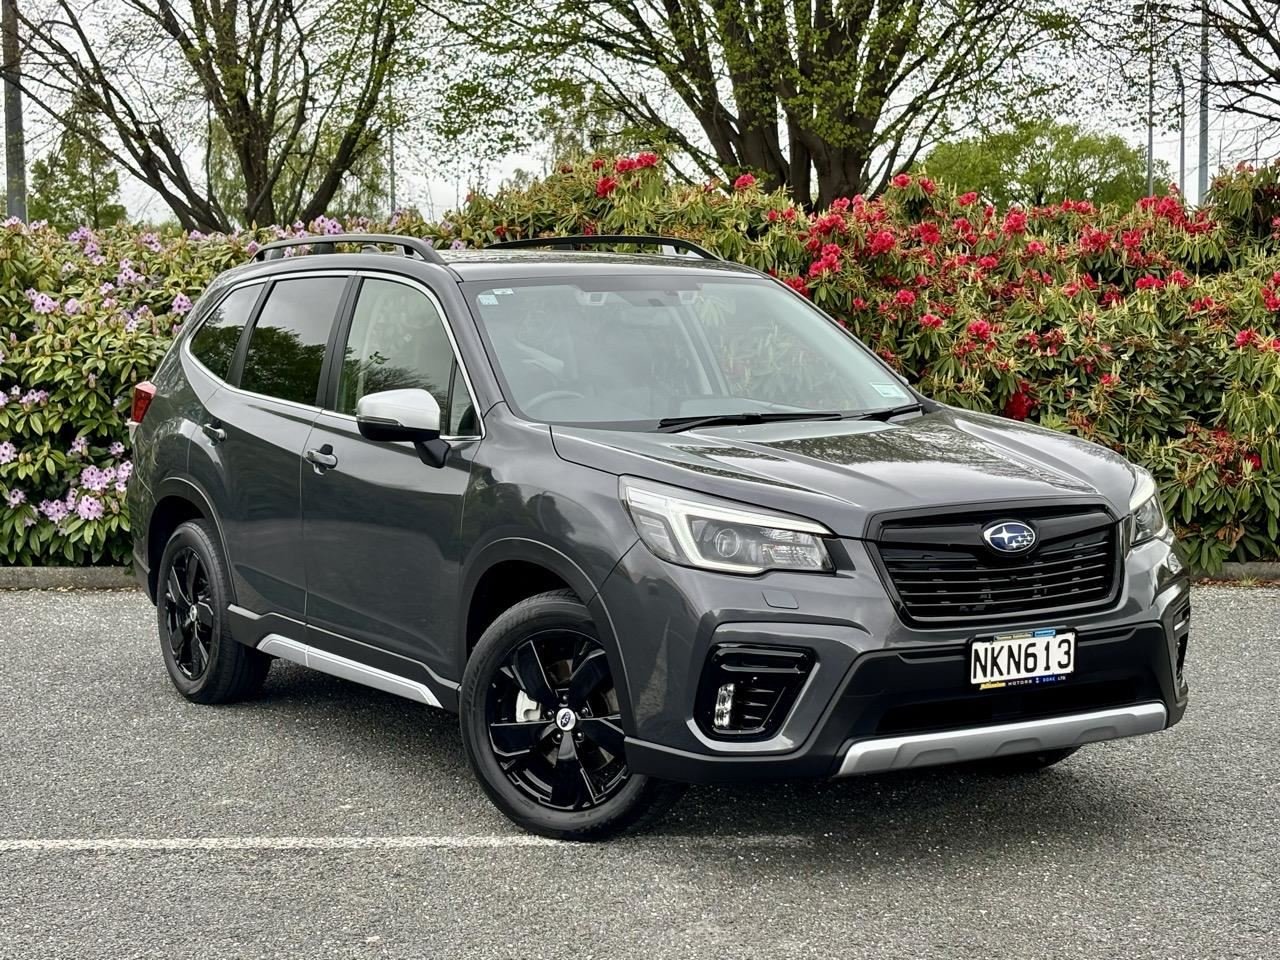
143 394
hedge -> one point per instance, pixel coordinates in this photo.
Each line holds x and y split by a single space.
1152 329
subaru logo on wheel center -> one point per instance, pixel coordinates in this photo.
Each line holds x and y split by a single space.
566 718
1009 536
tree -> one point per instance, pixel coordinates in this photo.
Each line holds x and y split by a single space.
808 93
295 85
77 183
1247 78
1041 161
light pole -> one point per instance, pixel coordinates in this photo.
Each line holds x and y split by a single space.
15 152
1203 178
1182 130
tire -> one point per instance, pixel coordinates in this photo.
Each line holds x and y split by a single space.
1025 763
193 591
539 712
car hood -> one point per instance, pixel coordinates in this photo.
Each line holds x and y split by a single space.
841 473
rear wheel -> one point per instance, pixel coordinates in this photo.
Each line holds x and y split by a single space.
192 594
542 727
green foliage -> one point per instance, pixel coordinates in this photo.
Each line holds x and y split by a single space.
1148 328
78 182
1042 161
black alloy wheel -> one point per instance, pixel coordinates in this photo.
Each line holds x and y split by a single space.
188 613
543 725
554 723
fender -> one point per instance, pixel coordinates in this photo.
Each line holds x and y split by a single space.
568 570
184 488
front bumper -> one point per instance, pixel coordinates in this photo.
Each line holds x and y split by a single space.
883 695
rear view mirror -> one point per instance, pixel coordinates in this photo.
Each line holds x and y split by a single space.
392 415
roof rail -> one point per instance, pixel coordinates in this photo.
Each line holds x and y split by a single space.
325 244
582 240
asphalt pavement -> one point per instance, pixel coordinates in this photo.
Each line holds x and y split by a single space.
326 820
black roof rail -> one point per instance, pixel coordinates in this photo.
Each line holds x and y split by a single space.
325 244
594 240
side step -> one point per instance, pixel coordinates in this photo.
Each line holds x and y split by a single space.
331 663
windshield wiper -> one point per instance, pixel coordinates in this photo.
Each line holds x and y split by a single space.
889 413
676 424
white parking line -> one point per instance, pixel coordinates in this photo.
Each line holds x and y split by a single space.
215 844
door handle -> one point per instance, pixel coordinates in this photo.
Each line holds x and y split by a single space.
214 431
322 459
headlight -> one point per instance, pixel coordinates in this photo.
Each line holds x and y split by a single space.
1146 520
719 535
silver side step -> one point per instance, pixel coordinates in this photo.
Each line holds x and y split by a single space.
331 663
983 743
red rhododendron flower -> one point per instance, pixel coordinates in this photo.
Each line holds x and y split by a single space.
597 163
744 182
988 262
930 234
789 213
965 199
1253 460
606 186
1246 337
1149 283
1019 406
882 241
1015 221
904 298
1035 246
1271 299
901 180
772 216
980 329
797 284
840 204
1180 278
1109 379
927 185
931 320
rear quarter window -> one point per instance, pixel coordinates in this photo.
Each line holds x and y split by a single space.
214 344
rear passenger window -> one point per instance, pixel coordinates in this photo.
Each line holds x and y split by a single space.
286 348
398 341
215 342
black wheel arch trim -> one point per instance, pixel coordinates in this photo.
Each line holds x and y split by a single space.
542 554
186 489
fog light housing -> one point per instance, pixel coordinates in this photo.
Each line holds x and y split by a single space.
747 691
724 706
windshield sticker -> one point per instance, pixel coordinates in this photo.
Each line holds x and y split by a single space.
502 291
889 390
487 300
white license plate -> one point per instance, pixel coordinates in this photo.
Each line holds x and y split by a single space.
1027 657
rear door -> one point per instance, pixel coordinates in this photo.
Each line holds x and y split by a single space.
381 527
255 433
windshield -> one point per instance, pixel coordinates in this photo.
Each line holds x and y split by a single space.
635 351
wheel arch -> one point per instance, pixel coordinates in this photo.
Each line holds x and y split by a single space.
177 500
486 593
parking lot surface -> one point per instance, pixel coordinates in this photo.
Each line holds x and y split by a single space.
326 820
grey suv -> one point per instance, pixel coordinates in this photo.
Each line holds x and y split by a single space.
641 520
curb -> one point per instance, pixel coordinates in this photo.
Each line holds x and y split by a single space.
1253 570
67 578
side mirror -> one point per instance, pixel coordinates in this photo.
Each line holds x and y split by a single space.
393 415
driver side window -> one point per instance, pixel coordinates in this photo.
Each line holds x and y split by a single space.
397 341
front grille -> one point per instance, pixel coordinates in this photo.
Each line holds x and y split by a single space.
943 571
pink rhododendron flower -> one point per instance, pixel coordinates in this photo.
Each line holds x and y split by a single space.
89 508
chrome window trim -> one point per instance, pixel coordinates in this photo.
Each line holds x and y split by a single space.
372 274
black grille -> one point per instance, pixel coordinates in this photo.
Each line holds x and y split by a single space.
765 683
943 571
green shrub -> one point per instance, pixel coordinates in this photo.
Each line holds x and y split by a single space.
1151 329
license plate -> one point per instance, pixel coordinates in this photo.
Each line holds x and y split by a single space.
1034 656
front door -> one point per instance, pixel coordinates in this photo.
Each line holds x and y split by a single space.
381 527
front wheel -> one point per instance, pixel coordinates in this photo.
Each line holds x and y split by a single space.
542 727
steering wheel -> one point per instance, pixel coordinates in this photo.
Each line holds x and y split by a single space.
553 395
